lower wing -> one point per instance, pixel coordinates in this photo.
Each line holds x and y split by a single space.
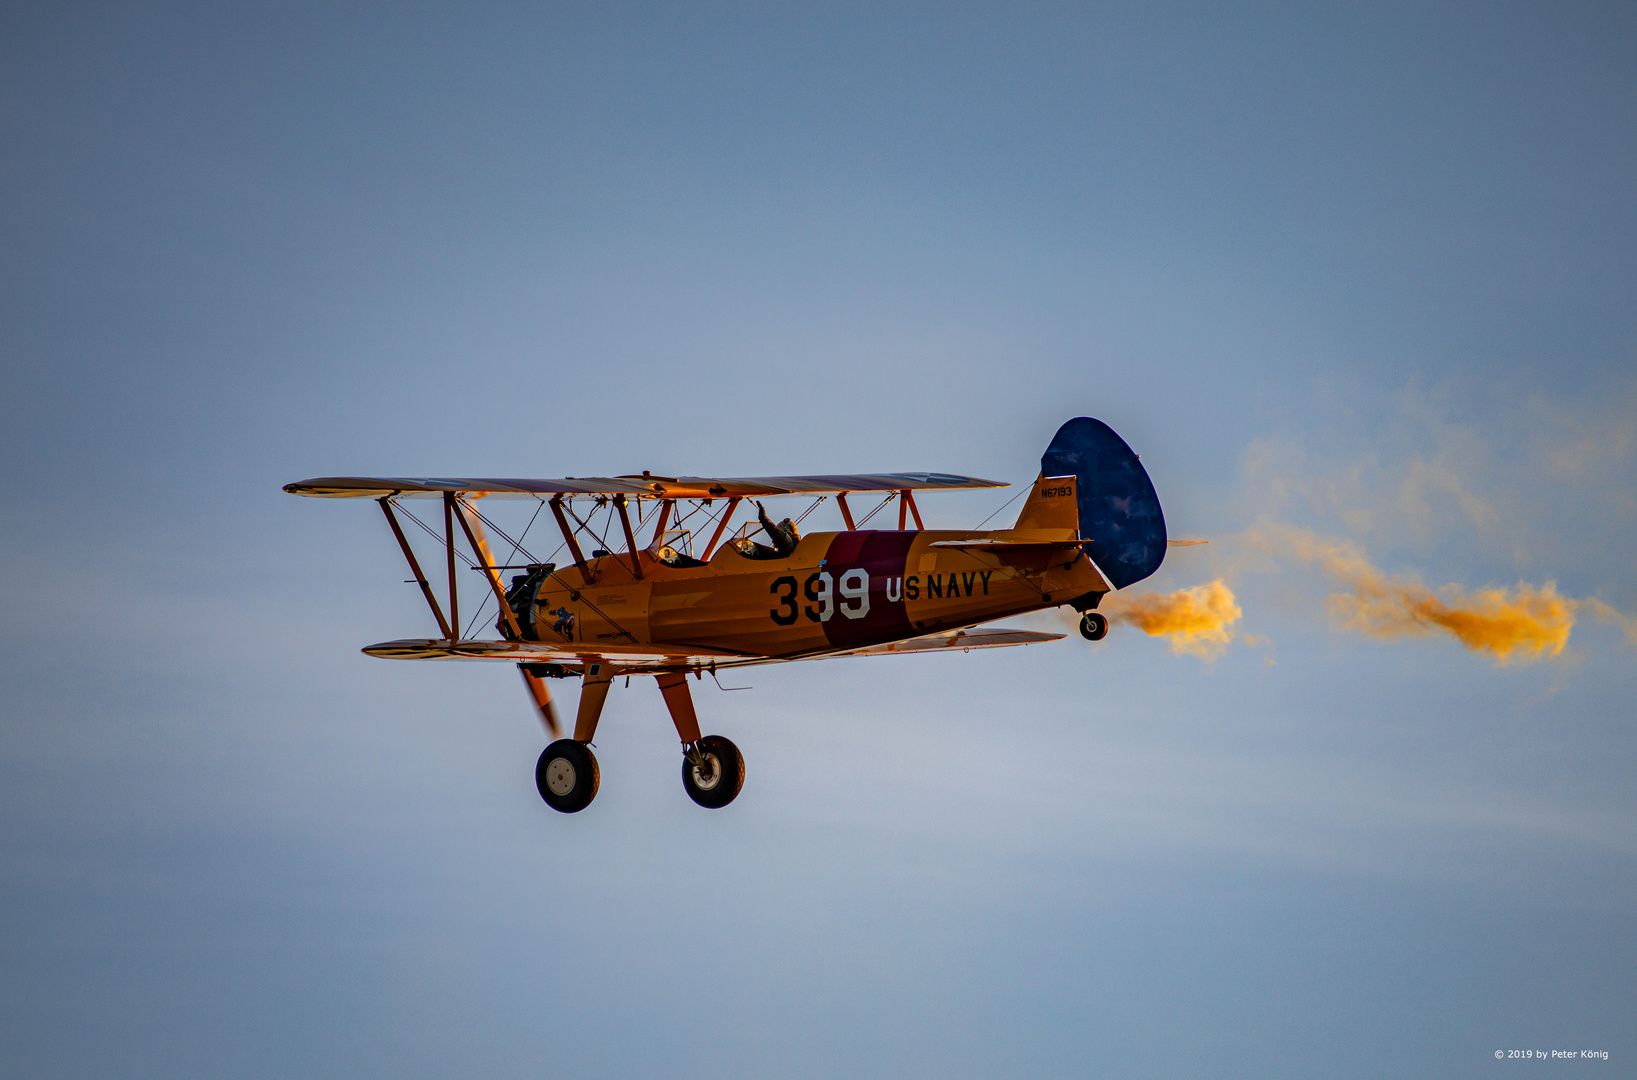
638 659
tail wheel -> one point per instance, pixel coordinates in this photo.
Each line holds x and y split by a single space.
567 776
713 771
1093 627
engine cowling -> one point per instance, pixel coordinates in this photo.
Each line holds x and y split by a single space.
521 597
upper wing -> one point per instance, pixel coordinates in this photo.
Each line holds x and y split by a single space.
675 487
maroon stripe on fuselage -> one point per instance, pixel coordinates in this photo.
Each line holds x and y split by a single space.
880 556
845 547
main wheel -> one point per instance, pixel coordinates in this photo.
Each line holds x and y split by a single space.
714 776
567 776
1093 627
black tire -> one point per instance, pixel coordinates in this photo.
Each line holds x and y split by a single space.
1093 627
567 776
727 775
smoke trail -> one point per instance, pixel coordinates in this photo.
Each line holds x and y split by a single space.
1604 613
1519 625
1197 621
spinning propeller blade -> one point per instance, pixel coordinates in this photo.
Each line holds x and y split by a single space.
477 531
537 686
542 701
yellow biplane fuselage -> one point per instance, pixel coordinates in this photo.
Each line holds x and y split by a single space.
837 590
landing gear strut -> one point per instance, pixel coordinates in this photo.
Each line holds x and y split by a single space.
1093 626
567 776
713 771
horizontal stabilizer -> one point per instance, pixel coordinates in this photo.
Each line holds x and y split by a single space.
1030 550
1006 545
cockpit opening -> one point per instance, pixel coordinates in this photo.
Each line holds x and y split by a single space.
672 557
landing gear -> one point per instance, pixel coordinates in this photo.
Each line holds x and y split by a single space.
713 771
567 776
1093 626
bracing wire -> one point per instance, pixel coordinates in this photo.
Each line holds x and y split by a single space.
540 504
1020 493
488 595
599 503
810 509
676 524
433 533
711 518
568 504
878 509
517 545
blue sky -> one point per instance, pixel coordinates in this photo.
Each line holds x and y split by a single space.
1359 271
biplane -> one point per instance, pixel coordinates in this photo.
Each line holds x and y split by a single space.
673 608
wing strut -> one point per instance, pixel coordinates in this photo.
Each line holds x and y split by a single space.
568 535
415 567
449 541
659 530
720 525
846 512
906 501
630 537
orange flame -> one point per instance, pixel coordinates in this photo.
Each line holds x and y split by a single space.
1523 624
1197 620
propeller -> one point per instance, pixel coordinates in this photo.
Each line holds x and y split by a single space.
542 701
537 686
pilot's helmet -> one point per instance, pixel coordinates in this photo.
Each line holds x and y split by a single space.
666 554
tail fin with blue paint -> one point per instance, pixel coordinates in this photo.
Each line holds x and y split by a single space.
1121 526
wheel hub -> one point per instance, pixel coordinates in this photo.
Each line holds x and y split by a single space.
560 776
707 772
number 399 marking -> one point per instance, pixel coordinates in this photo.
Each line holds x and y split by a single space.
821 589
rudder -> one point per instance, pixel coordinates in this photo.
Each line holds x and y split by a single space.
1121 525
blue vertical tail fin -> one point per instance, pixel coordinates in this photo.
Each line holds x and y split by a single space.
1122 528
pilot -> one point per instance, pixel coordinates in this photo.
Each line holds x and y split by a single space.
783 535
672 557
